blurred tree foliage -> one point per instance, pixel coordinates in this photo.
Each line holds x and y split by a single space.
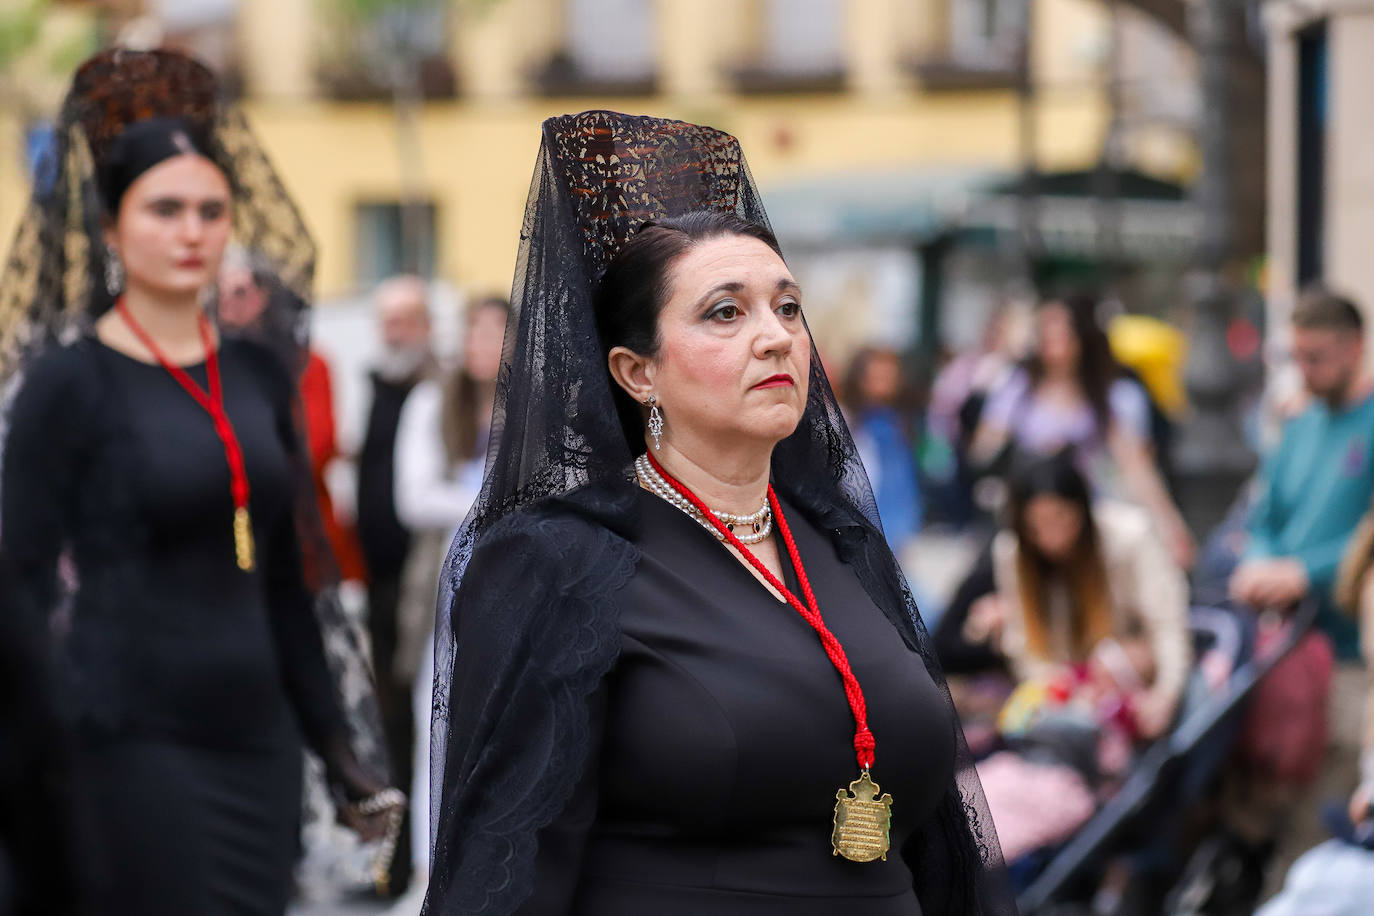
20 26
28 62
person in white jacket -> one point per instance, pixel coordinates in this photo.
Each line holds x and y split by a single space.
441 447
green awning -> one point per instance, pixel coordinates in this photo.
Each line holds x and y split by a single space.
908 206
1149 220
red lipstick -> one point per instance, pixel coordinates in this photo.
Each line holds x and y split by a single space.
775 381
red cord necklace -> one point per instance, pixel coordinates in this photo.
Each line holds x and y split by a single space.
862 821
213 404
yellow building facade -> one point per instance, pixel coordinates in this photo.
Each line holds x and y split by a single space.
900 86
1321 176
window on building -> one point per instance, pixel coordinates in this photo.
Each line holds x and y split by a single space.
1312 127
983 45
1157 72
800 47
986 33
368 55
609 46
206 30
391 238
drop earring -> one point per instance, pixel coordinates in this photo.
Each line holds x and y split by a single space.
114 273
655 422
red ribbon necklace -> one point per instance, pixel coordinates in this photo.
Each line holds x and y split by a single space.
213 404
862 818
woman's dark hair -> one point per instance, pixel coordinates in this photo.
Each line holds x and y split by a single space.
1084 572
1097 367
635 285
907 400
1046 475
141 146
459 422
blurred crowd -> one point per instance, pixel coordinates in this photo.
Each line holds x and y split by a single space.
1169 714
1087 624
416 473
1093 639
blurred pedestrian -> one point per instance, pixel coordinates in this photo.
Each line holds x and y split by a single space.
1317 483
979 678
881 419
1092 615
1354 593
1072 393
1313 489
242 307
635 710
1073 573
1153 352
962 386
406 360
441 446
1334 879
157 461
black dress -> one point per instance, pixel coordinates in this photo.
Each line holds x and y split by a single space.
722 734
190 682
386 545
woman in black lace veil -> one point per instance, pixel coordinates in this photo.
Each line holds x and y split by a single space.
589 745
196 660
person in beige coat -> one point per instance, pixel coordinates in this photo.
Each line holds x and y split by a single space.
1354 593
1079 580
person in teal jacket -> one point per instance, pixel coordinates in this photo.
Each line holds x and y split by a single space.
1317 484
1314 489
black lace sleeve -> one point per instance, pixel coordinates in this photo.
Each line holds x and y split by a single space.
558 862
42 844
299 646
535 629
295 625
44 450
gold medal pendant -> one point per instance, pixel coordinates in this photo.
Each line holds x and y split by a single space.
863 821
243 539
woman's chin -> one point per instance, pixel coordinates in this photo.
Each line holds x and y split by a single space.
771 426
178 287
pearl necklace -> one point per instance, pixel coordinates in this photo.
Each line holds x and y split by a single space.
761 522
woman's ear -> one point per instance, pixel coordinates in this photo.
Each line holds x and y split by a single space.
107 233
631 372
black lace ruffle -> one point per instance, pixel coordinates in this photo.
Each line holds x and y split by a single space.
535 633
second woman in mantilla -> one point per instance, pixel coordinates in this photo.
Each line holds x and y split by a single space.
678 668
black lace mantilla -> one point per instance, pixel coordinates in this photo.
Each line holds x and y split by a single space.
621 179
52 286
528 622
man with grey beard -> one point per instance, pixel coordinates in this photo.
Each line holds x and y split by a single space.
406 359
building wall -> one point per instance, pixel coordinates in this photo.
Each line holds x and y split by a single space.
1349 176
478 151
1350 187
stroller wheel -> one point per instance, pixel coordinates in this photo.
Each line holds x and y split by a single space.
1224 877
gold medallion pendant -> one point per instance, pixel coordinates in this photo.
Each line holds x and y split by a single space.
243 539
863 821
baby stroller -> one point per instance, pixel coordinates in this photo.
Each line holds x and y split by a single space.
1173 772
